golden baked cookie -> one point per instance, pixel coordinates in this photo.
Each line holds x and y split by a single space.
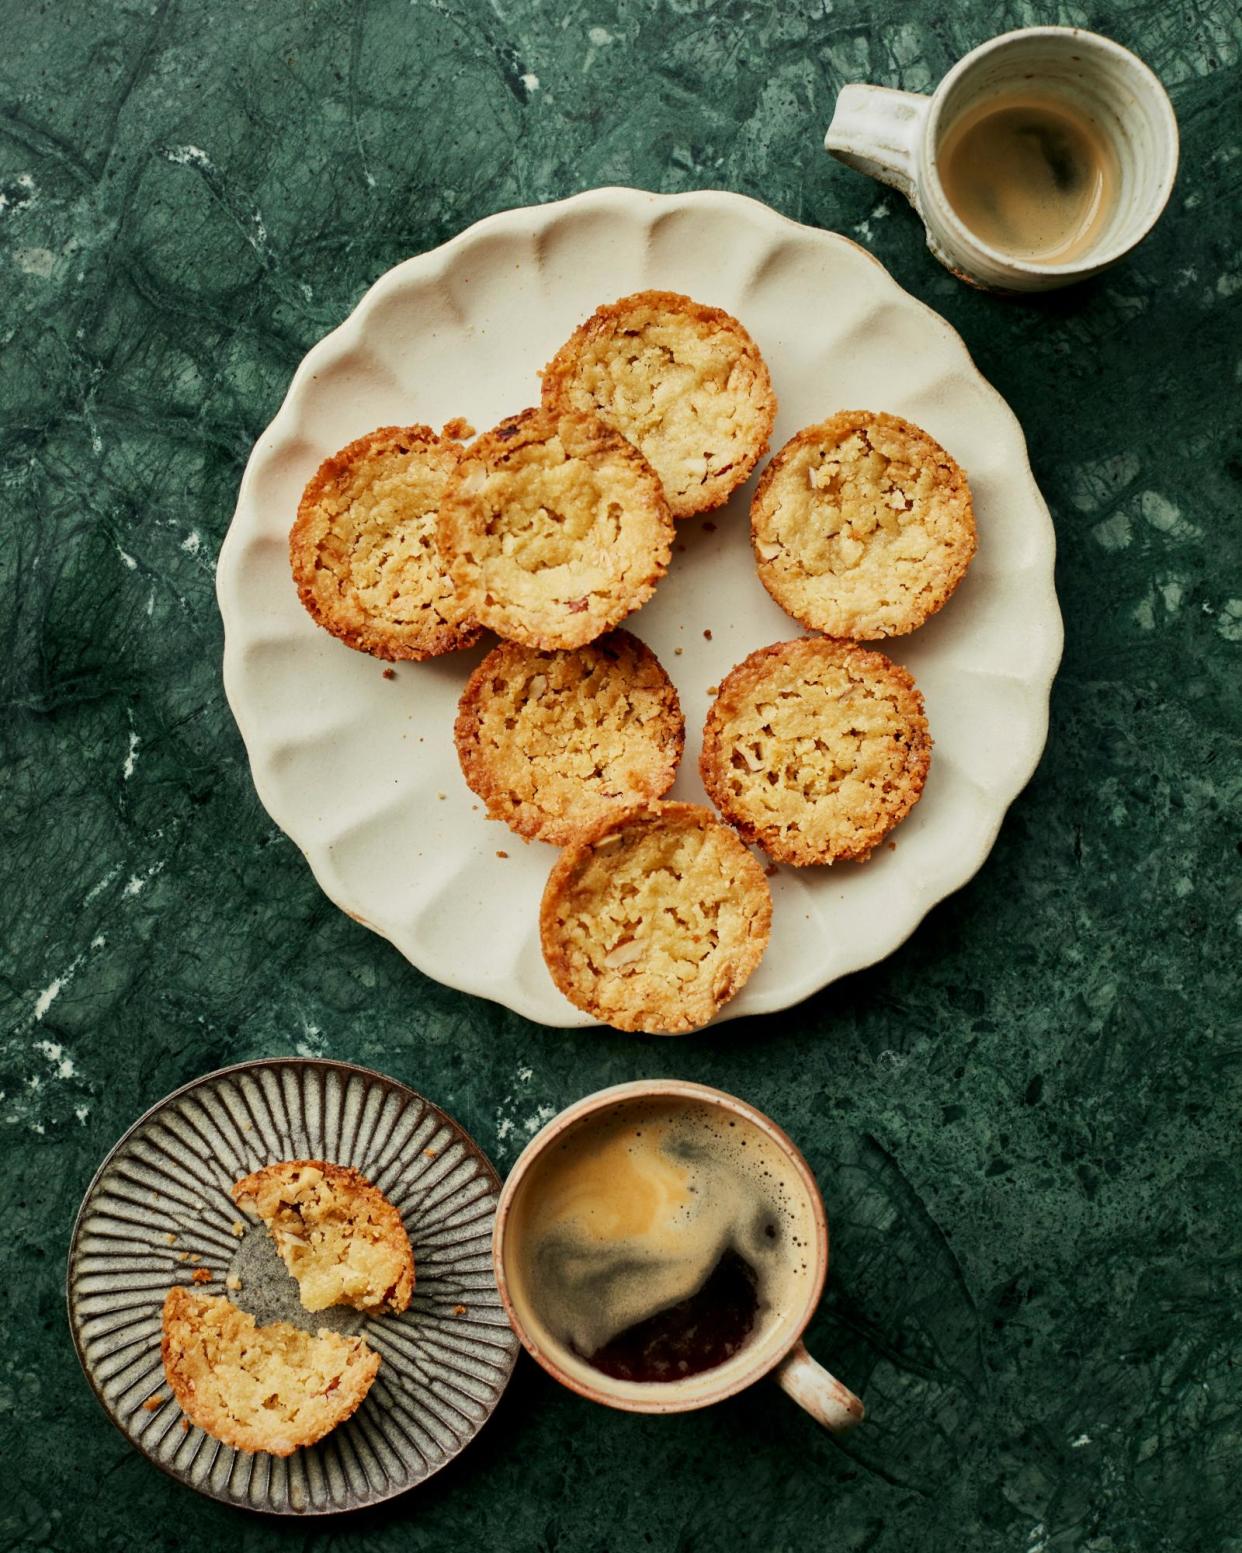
685 383
815 749
554 528
654 918
555 741
862 526
337 1234
271 1388
363 547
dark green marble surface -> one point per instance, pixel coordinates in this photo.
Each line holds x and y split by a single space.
1026 1122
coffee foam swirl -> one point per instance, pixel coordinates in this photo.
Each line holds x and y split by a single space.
632 1211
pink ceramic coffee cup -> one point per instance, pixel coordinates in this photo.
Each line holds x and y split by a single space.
775 1345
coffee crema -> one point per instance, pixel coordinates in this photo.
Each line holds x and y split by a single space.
654 1240
1030 175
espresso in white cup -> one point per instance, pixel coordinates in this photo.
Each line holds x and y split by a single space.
1043 156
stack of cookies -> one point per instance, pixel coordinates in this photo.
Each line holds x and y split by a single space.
555 526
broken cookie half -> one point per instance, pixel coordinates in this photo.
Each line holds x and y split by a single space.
337 1234
272 1388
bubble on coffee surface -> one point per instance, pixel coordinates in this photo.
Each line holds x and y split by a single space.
636 1213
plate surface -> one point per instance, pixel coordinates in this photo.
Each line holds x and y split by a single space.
159 1210
360 770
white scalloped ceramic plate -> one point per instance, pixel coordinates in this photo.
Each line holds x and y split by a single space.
360 770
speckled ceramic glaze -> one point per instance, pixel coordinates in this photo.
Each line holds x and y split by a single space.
360 769
896 137
159 1210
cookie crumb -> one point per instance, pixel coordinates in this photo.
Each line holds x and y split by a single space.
239 1229
233 1282
713 690
431 1153
153 1404
183 1256
707 636
457 430
441 795
460 1310
677 651
389 674
502 854
185 1425
171 1239
201 1275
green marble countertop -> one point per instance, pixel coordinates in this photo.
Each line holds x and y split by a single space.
1026 1122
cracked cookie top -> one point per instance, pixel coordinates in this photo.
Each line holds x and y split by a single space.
363 546
556 741
655 918
267 1388
554 528
684 382
862 527
815 750
337 1234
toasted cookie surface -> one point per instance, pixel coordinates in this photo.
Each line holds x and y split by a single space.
272 1388
555 741
554 528
862 526
815 749
684 382
655 918
363 547
337 1234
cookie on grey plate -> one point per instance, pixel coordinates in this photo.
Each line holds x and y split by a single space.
338 1235
862 526
260 1388
554 528
684 382
654 918
363 547
553 741
816 749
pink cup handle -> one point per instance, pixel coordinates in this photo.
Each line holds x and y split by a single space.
821 1394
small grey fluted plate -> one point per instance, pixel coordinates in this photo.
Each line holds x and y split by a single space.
159 1210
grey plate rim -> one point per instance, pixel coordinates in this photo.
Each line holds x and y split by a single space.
71 1258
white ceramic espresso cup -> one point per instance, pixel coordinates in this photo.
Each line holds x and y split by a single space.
896 137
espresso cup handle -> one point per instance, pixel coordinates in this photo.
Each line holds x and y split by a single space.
822 1394
877 131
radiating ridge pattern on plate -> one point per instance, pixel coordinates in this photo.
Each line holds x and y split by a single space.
159 1212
